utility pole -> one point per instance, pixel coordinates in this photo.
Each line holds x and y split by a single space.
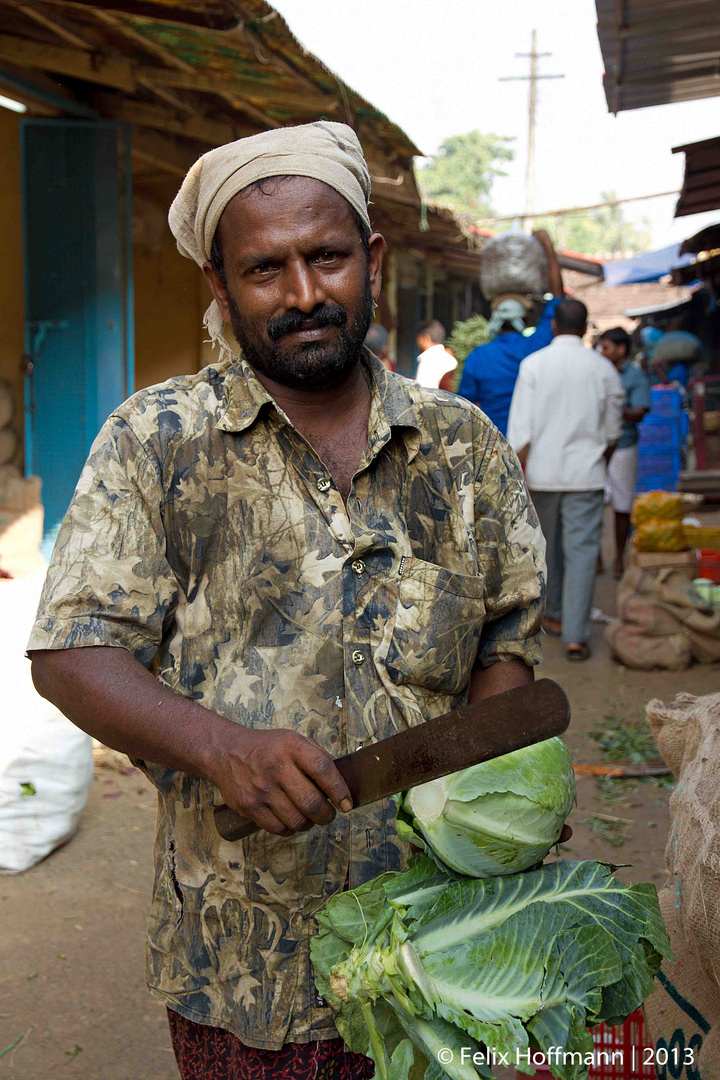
532 78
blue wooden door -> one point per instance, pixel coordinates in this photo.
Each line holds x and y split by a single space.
78 301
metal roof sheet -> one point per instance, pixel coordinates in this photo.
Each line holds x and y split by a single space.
708 239
658 51
701 184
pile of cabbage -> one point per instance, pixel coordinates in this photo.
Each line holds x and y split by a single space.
439 972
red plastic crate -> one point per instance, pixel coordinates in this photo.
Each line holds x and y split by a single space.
627 1046
620 1052
709 564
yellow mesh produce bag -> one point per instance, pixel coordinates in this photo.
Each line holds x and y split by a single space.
657 504
659 534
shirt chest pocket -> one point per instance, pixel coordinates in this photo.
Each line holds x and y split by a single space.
432 635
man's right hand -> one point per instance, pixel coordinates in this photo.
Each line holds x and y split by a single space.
281 780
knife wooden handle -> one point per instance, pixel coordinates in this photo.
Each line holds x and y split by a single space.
486 729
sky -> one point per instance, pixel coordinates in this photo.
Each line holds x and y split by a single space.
433 66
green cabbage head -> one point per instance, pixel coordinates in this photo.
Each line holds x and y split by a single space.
499 817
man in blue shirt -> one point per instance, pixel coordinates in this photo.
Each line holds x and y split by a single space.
614 344
491 370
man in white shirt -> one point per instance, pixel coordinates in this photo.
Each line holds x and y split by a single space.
435 363
565 419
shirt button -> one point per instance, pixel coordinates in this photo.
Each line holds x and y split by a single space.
359 566
323 484
358 658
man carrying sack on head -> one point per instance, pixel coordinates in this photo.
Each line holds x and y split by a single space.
291 553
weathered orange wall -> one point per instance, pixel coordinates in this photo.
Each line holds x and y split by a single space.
12 344
170 298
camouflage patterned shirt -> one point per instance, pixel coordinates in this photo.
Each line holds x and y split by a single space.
208 539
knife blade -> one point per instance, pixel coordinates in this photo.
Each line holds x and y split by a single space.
489 728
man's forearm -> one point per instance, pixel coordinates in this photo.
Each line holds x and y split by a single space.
106 692
554 272
496 679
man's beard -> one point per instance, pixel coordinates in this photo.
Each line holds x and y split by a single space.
319 365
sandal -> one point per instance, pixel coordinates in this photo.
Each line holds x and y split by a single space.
578 652
553 627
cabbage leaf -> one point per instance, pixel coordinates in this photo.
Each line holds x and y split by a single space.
522 961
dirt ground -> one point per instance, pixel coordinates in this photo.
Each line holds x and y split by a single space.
71 963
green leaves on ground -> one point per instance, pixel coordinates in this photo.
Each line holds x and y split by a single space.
625 740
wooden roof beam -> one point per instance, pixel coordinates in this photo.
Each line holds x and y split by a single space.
251 110
72 38
222 20
55 25
207 82
125 30
137 113
76 63
152 148
270 55
157 78
119 74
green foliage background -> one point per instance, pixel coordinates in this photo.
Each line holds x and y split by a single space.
465 337
461 174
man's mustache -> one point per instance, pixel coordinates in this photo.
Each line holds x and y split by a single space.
290 321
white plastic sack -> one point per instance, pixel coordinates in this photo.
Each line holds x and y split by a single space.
40 750
513 263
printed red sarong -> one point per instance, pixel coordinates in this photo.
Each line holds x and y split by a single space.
209 1053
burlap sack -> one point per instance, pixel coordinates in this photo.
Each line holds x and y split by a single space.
687 733
700 620
643 581
662 620
647 617
634 649
683 1014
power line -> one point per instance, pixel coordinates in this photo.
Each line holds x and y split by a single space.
578 209
533 79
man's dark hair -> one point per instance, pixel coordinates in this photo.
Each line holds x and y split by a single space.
434 330
268 186
571 317
618 336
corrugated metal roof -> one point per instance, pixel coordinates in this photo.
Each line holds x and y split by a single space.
707 239
658 51
701 185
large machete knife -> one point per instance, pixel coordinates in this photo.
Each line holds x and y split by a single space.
491 727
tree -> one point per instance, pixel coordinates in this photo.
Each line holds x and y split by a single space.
461 174
600 232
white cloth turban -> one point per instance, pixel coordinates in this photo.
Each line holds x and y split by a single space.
325 151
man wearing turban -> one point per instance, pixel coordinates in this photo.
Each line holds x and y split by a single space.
266 565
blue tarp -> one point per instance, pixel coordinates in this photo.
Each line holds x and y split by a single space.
648 267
